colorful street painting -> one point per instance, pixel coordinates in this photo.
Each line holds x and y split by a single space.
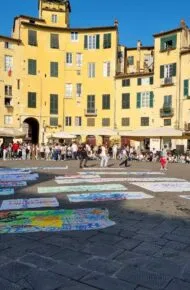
120 173
67 176
54 220
19 177
7 191
109 196
164 186
43 168
12 183
29 203
75 188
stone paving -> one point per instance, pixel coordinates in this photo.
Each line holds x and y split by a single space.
148 248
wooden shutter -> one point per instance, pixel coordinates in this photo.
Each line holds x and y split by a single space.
174 70
54 104
54 40
186 88
151 80
31 100
97 41
151 99
32 66
32 37
138 100
139 81
162 71
86 42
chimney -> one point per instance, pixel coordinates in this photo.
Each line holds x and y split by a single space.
116 23
182 23
139 44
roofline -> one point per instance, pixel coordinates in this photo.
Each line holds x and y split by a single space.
10 39
141 48
69 28
27 17
168 32
138 74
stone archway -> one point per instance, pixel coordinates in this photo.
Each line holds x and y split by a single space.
31 127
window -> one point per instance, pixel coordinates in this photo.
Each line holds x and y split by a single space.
54 69
145 100
144 121
53 104
168 42
54 40
145 81
78 90
168 70
74 36
168 101
32 37
130 60
53 121
31 100
8 120
78 121
125 122
107 40
105 122
69 58
91 104
90 122
91 69
126 83
167 122
8 90
68 121
125 101
54 18
8 45
105 102
18 84
186 89
92 41
8 62
107 69
31 66
79 59
68 90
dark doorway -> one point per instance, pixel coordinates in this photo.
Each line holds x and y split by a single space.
91 140
125 141
106 140
31 127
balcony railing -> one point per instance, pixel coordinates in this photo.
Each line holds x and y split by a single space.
166 112
167 81
90 112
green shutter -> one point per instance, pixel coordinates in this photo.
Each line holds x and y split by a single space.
164 42
107 40
54 69
97 41
54 40
31 66
174 70
186 88
85 41
139 81
151 99
162 47
54 104
162 71
138 100
174 40
32 37
31 100
151 80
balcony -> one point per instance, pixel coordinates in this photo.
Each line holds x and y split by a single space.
166 112
8 102
90 112
167 82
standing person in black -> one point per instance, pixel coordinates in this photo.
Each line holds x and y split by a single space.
83 156
125 160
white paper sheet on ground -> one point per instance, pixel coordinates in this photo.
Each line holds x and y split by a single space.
44 168
78 188
104 168
19 177
164 186
121 173
67 176
109 196
29 203
13 172
185 196
7 191
12 183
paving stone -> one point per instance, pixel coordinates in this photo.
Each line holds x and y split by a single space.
44 249
107 239
128 244
150 238
42 280
5 260
107 283
134 259
177 238
147 249
144 278
102 250
167 253
127 234
176 246
14 271
6 285
177 284
160 265
78 286
72 257
63 242
38 261
24 285
70 271
103 266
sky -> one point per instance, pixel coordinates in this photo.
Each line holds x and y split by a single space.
138 19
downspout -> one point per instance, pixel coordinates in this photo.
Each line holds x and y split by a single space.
116 62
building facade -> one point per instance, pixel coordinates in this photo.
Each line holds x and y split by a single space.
82 81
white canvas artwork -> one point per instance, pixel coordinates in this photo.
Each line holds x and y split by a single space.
67 176
29 203
164 186
141 173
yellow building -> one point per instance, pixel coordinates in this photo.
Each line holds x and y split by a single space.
81 81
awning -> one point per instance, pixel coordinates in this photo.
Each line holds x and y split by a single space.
63 135
11 132
153 132
98 132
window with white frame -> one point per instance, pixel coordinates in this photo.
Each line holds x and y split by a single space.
8 44
79 59
92 41
8 120
78 121
68 90
145 100
68 121
8 62
74 36
107 69
54 18
78 90
91 69
69 58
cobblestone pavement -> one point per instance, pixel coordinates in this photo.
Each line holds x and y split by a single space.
148 248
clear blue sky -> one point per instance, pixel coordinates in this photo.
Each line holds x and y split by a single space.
138 19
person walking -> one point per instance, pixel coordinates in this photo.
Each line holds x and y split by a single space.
83 156
114 151
163 159
125 160
104 156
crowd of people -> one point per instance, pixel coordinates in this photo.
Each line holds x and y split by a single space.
84 152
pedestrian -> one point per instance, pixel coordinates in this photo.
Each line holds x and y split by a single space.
104 156
125 159
163 159
83 156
